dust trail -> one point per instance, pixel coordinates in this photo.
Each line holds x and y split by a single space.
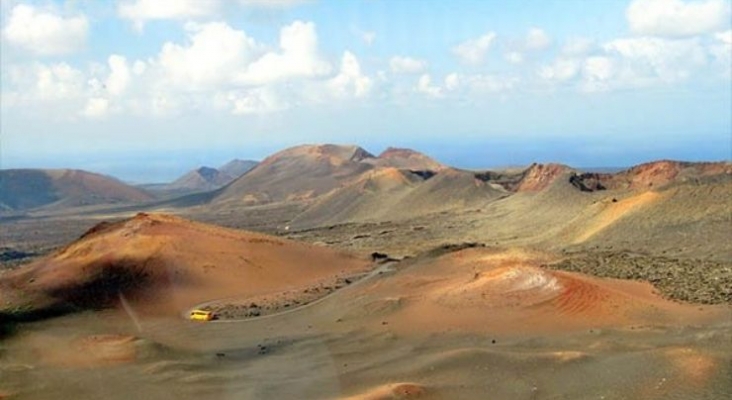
128 309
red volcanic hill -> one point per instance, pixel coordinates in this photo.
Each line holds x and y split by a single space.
539 176
22 189
658 173
653 175
163 265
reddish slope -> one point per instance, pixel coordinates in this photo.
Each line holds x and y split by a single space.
659 173
653 175
506 291
164 264
539 176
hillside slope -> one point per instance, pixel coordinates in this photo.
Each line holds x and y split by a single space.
390 194
163 265
236 167
297 173
23 189
405 159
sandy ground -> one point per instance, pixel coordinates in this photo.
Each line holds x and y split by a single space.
471 324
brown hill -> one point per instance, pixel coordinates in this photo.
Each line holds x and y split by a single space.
22 189
389 194
683 218
205 178
200 179
539 176
236 168
297 173
534 178
679 219
484 290
653 175
369 196
659 173
405 159
163 265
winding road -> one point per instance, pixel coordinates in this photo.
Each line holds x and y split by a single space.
384 268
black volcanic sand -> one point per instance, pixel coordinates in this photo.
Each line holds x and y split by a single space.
688 280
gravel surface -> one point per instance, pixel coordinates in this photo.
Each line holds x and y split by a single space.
689 280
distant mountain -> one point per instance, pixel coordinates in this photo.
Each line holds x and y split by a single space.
200 179
652 175
552 193
539 176
203 179
23 189
387 194
298 173
405 159
236 168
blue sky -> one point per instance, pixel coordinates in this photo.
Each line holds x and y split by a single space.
147 89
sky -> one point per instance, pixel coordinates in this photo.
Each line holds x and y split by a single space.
145 90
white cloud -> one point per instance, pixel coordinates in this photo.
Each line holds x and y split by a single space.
44 32
350 81
650 58
139 67
271 3
52 82
163 104
452 81
677 18
298 58
367 37
214 55
425 86
722 53
514 57
537 39
467 85
562 69
597 72
577 46
486 83
473 51
96 107
406 65
139 11
724 37
119 76
639 62
254 101
52 91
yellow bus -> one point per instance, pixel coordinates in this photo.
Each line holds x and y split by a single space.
202 315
